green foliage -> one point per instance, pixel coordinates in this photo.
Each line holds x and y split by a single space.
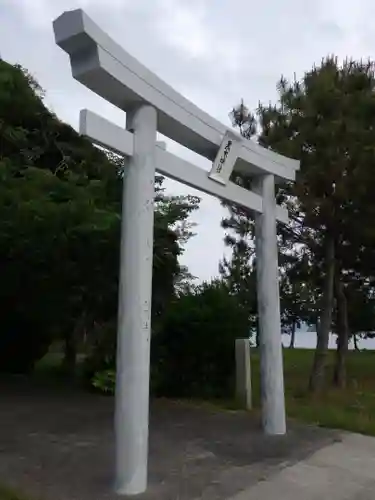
239 274
193 354
325 121
56 248
101 356
8 494
60 203
297 293
105 381
192 351
30 135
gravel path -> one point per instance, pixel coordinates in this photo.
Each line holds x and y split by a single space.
57 444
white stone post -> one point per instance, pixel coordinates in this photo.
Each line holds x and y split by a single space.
271 357
134 310
243 373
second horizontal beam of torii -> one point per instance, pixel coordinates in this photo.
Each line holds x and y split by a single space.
119 140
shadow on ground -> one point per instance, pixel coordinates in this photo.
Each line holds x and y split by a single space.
58 445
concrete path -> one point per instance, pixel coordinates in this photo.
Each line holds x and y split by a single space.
342 471
58 445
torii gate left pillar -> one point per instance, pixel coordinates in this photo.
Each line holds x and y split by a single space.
134 308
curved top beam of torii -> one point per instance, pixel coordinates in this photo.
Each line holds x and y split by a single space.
107 69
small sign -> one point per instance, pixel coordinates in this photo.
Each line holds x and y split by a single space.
225 159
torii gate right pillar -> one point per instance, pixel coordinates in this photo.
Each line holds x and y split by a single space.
271 357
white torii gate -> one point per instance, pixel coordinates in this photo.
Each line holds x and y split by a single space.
151 105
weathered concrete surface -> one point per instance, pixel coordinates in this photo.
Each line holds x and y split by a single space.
341 471
243 374
267 274
58 445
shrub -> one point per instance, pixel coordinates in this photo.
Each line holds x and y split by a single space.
194 353
105 381
102 355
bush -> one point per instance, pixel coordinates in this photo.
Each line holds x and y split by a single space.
102 355
194 353
105 381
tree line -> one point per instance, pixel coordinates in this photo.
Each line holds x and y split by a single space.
326 252
60 205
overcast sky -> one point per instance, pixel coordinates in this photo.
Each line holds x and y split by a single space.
214 52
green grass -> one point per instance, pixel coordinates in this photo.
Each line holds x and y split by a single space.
49 364
50 370
351 409
7 494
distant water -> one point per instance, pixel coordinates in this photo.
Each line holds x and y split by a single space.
307 340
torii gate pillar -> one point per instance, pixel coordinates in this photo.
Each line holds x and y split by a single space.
271 357
134 309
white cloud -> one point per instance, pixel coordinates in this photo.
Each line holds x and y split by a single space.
187 27
213 51
182 26
38 13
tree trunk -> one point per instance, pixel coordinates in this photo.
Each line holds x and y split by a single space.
71 340
70 354
339 375
257 338
317 376
292 335
355 341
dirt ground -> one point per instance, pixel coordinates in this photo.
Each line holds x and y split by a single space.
57 444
